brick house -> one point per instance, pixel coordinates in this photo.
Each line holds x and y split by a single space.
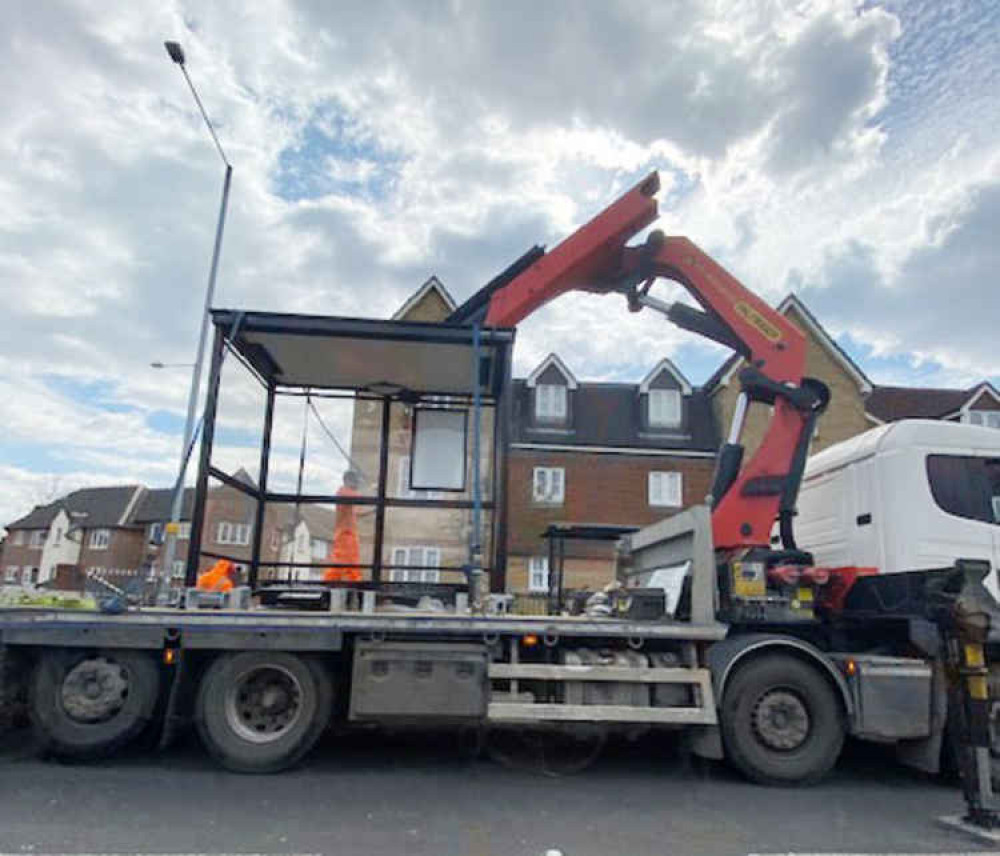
613 453
91 529
230 516
229 521
856 403
117 533
152 515
649 446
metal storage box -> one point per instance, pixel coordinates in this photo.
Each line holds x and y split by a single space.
412 679
892 697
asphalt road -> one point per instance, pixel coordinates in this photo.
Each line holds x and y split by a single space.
376 794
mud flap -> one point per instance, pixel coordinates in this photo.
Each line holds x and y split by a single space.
13 689
705 741
925 755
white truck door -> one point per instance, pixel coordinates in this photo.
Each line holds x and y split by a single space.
963 489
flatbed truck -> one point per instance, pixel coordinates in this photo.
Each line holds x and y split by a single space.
752 660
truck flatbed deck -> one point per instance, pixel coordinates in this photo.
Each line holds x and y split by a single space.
27 626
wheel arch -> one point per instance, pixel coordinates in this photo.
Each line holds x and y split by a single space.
724 658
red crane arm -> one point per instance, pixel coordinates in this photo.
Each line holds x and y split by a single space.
747 499
595 258
586 260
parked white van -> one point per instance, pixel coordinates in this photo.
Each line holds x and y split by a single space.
907 496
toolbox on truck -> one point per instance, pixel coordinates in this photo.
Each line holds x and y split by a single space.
404 679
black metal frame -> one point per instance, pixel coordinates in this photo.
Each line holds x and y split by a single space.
263 368
557 534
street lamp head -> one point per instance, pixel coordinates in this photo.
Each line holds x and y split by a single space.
176 52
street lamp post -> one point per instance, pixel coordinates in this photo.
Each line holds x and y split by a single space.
176 54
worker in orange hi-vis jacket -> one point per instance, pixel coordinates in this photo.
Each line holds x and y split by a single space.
345 551
219 577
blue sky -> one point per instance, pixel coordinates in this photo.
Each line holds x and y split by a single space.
844 150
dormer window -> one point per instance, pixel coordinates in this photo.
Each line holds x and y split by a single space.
551 386
664 408
662 394
550 402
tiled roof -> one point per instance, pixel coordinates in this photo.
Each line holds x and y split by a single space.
155 505
609 414
87 508
890 403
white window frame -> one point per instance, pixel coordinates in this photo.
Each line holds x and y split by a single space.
228 532
12 574
416 554
34 574
986 418
37 539
548 487
664 408
57 540
99 539
156 532
180 566
995 502
666 489
538 574
18 537
183 531
324 548
551 402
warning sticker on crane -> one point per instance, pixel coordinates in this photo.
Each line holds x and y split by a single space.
757 321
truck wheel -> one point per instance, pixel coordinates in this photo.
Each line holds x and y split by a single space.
260 711
84 705
781 722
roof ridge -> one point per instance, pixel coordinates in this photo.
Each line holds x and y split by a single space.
913 388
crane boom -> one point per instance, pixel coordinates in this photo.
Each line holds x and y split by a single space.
746 498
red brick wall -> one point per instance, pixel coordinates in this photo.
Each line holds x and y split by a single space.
599 488
230 505
124 550
20 555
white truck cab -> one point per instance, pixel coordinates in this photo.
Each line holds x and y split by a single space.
907 496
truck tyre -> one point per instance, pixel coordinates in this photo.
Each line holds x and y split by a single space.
782 722
261 711
85 705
